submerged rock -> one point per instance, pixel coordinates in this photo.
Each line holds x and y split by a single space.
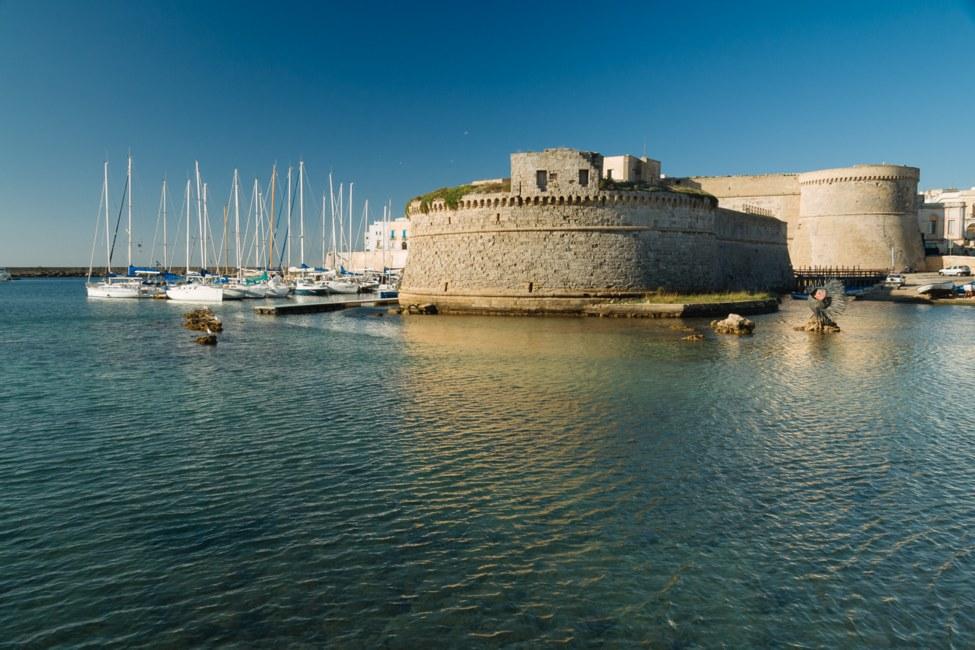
693 337
814 325
206 339
733 324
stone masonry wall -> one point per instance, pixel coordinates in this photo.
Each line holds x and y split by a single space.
504 252
863 216
562 167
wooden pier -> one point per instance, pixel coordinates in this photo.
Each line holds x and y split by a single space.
851 277
319 307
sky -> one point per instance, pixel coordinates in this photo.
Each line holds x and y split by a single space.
403 98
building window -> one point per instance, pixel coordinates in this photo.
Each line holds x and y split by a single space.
584 177
404 246
932 226
404 234
609 174
951 228
541 179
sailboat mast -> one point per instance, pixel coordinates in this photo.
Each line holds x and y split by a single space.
237 219
331 199
187 202
270 237
350 224
165 233
258 224
301 211
324 264
108 236
128 184
287 241
225 258
206 226
199 215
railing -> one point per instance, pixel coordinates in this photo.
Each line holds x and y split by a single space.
850 276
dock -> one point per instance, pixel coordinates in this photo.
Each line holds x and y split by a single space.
319 307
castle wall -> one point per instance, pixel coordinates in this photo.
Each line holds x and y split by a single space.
861 216
775 195
504 252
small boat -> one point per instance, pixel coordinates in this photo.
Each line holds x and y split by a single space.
5 275
937 289
800 295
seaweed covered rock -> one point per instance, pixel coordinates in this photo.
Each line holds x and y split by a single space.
202 320
818 326
733 324
206 339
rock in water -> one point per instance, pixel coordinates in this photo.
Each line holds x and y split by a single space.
207 339
202 320
733 324
814 325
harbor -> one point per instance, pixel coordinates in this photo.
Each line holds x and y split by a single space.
339 325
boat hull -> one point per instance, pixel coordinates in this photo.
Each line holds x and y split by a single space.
195 293
112 291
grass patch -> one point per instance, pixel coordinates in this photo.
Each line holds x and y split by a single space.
643 186
663 297
452 196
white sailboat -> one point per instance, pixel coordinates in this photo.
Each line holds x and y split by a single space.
196 288
112 286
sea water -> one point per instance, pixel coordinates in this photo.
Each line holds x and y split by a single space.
360 479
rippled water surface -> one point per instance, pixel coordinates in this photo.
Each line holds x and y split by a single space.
356 479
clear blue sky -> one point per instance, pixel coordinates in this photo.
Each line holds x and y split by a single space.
403 98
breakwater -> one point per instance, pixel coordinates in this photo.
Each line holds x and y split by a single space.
19 272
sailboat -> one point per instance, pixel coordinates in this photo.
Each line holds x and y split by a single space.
196 288
112 286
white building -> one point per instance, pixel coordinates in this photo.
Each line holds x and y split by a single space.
946 218
630 169
389 235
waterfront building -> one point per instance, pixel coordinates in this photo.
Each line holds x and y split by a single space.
946 219
388 235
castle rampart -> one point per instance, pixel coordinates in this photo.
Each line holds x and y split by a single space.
864 215
850 216
570 244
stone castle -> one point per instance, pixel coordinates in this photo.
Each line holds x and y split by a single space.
571 228
865 215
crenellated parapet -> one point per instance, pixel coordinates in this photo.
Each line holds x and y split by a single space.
552 250
865 215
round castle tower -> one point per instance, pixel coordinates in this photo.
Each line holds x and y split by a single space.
864 216
558 237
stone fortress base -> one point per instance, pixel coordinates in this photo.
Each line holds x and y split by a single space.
572 228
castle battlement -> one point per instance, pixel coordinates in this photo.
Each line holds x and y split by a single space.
561 236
